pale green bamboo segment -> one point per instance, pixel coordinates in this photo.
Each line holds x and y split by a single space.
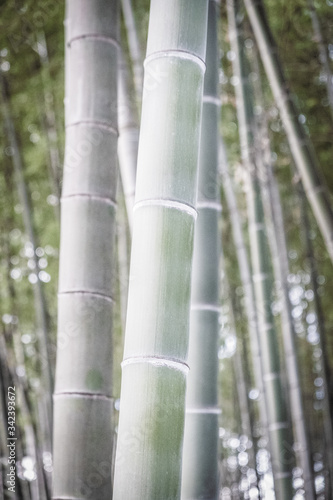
301 148
82 399
200 450
151 422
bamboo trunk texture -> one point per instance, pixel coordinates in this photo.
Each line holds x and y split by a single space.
152 404
200 451
279 432
82 398
300 146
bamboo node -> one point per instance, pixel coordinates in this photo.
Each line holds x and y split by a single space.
159 362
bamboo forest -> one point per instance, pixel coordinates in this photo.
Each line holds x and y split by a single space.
166 250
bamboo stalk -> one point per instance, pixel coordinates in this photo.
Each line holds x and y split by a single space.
150 436
51 130
247 284
39 297
200 451
83 391
276 405
128 138
240 366
322 345
300 146
323 56
281 271
134 48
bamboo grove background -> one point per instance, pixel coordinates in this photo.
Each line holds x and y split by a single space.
253 203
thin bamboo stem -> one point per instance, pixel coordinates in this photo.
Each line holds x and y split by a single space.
323 56
247 284
128 140
134 48
270 192
39 297
276 405
322 345
300 146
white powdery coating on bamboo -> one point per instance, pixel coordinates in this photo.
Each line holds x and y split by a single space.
211 99
92 197
97 36
177 205
92 293
209 204
158 362
204 411
180 54
206 307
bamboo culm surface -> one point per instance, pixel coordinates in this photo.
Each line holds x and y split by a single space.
200 451
152 402
83 388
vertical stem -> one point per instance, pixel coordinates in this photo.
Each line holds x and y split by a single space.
276 404
51 131
323 56
40 303
134 47
128 138
83 389
152 404
326 373
200 453
300 146
247 284
281 269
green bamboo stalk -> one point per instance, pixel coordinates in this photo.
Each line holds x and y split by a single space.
323 55
39 296
200 452
150 436
322 345
240 366
273 207
134 48
82 399
128 138
276 405
123 244
247 284
300 146
51 130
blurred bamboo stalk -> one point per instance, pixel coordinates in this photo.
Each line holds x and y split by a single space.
40 302
200 450
276 405
302 150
